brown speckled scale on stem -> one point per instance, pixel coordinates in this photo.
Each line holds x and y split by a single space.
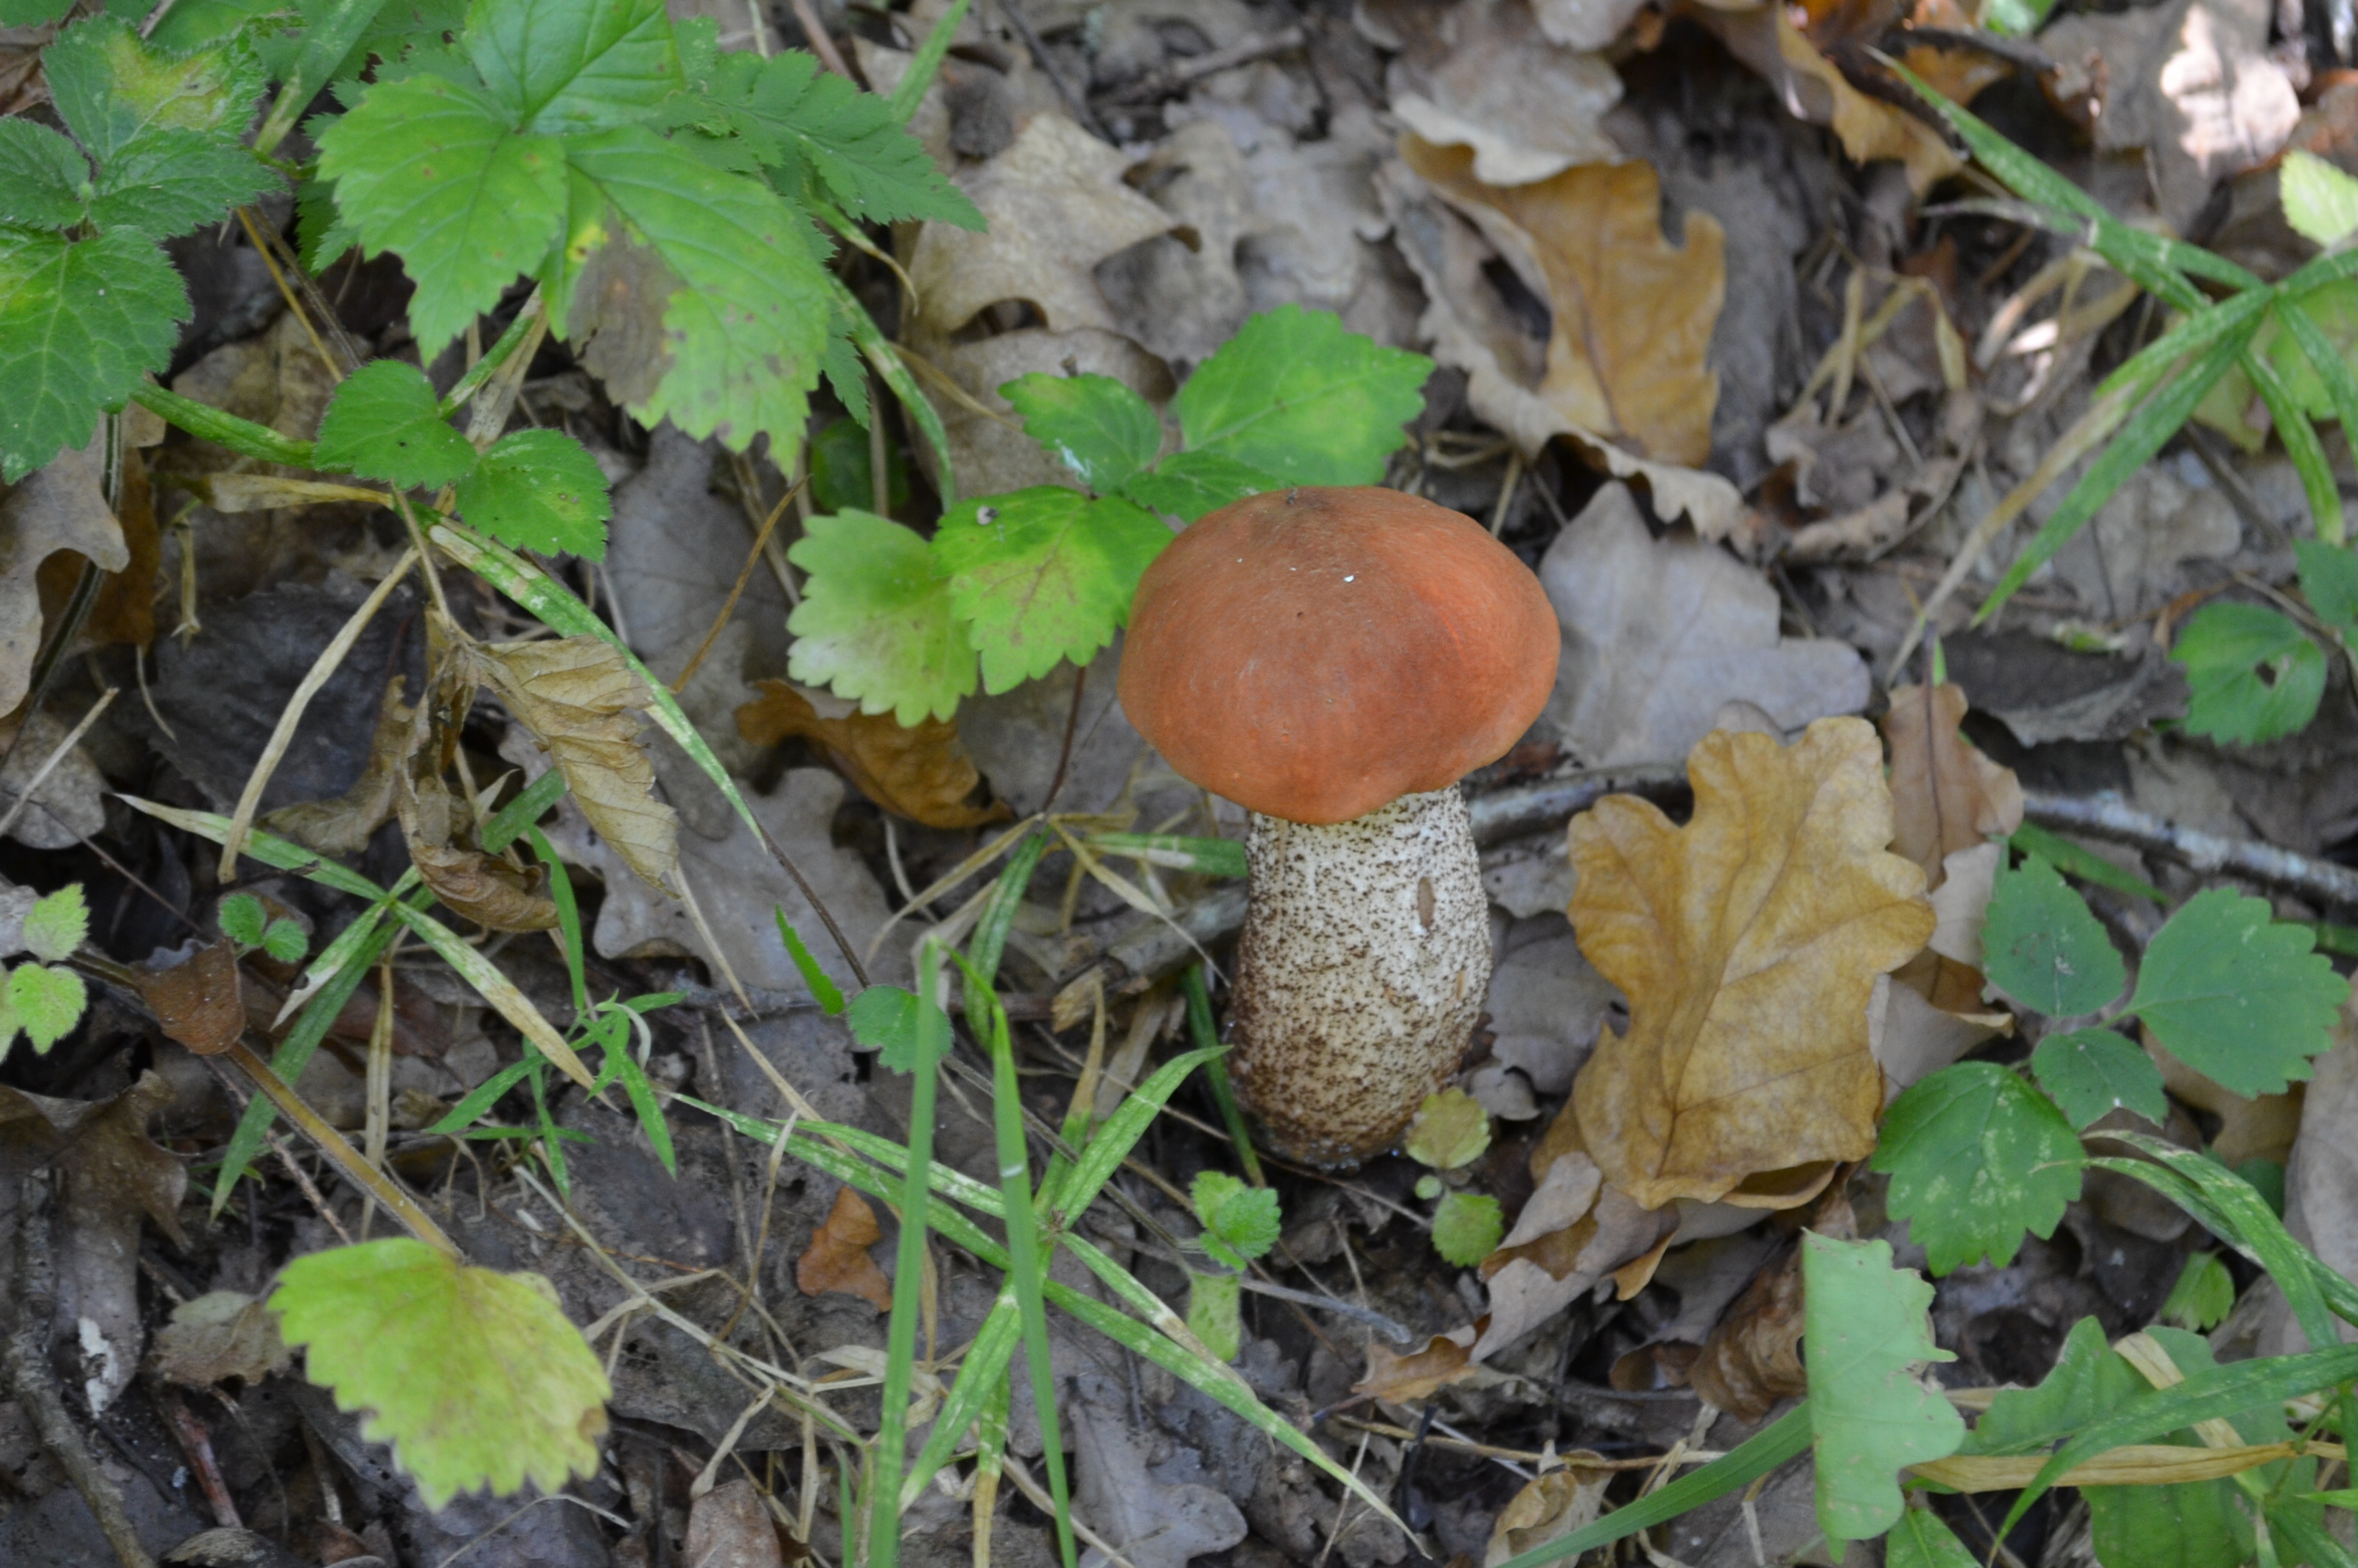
1360 975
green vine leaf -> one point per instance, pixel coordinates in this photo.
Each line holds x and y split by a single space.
539 490
82 321
1239 1222
2090 1071
560 66
1867 1332
1043 574
2239 997
166 183
1092 423
385 423
2252 674
475 1377
1976 1157
1300 398
883 1019
2043 947
42 177
875 623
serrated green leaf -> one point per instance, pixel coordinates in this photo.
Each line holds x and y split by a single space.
1245 1217
539 490
2329 580
41 176
573 65
1976 1157
2252 675
32 13
474 1376
2042 947
2239 997
875 624
167 182
1212 1313
1189 484
2202 1296
80 322
1299 397
45 1003
709 306
1867 1331
242 919
2091 1071
110 85
1467 1228
1450 1129
57 925
884 1020
285 942
385 423
1043 575
801 120
1920 1539
1092 423
434 171
2320 202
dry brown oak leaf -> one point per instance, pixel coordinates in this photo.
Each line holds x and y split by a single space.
1747 943
1946 796
838 1256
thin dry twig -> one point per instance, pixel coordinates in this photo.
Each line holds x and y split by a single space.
2319 881
42 774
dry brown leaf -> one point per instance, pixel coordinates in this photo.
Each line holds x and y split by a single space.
2255 1127
1632 313
1485 75
1811 87
220 1335
55 508
197 1001
344 826
124 611
479 887
728 1528
1550 1505
1946 794
576 696
838 1256
1753 1358
921 774
1748 943
1445 1359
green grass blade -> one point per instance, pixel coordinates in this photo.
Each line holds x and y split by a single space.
1764 1451
988 944
2148 365
279 854
885 359
1121 1133
830 1000
531 804
480 1100
1177 851
2341 386
901 1334
2085 864
568 922
982 1373
1216 1074
2300 437
926 62
2130 450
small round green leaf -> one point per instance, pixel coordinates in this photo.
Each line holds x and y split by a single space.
2043 947
2252 674
2320 202
242 919
1092 423
385 423
45 1003
539 490
2237 995
875 624
2092 1071
57 925
1976 1157
1467 1228
475 1377
1451 1129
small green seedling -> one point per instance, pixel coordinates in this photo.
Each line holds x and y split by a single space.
2203 1295
1241 1223
42 999
1450 1132
245 922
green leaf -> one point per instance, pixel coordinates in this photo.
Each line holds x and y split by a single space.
1043 575
473 1375
539 490
383 423
242 919
698 290
1451 1129
1920 1539
823 990
883 1019
81 321
807 123
1467 1228
45 1003
1212 1313
1976 1157
1245 1217
2320 202
2203 1295
57 925
2074 861
841 477
169 182
1189 484
436 171
285 942
2253 675
2329 580
1092 423
2091 1071
875 623
1867 1330
1297 396
41 176
32 13
110 86
2240 998
556 66
2043 947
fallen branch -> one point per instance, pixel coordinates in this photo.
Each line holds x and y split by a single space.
2319 880
1169 81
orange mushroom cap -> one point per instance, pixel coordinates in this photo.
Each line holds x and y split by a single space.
1315 653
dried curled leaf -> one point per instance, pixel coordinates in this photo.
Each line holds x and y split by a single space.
1753 1358
1445 1359
479 887
343 826
220 1335
837 1259
576 695
1946 796
1747 943
919 772
199 1000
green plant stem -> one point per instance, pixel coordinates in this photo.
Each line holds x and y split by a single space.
496 355
1216 1072
243 437
908 1278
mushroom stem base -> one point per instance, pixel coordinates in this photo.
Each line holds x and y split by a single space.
1362 972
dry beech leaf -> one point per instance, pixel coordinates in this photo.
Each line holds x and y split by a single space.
58 507
1447 1358
1765 39
344 826
1748 943
1632 313
124 611
220 1335
482 888
1753 1358
838 1256
576 696
1550 1505
197 1000
1946 796
1486 75
920 772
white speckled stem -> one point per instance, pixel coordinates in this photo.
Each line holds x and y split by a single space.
1365 960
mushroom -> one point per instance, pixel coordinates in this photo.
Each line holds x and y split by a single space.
1334 660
